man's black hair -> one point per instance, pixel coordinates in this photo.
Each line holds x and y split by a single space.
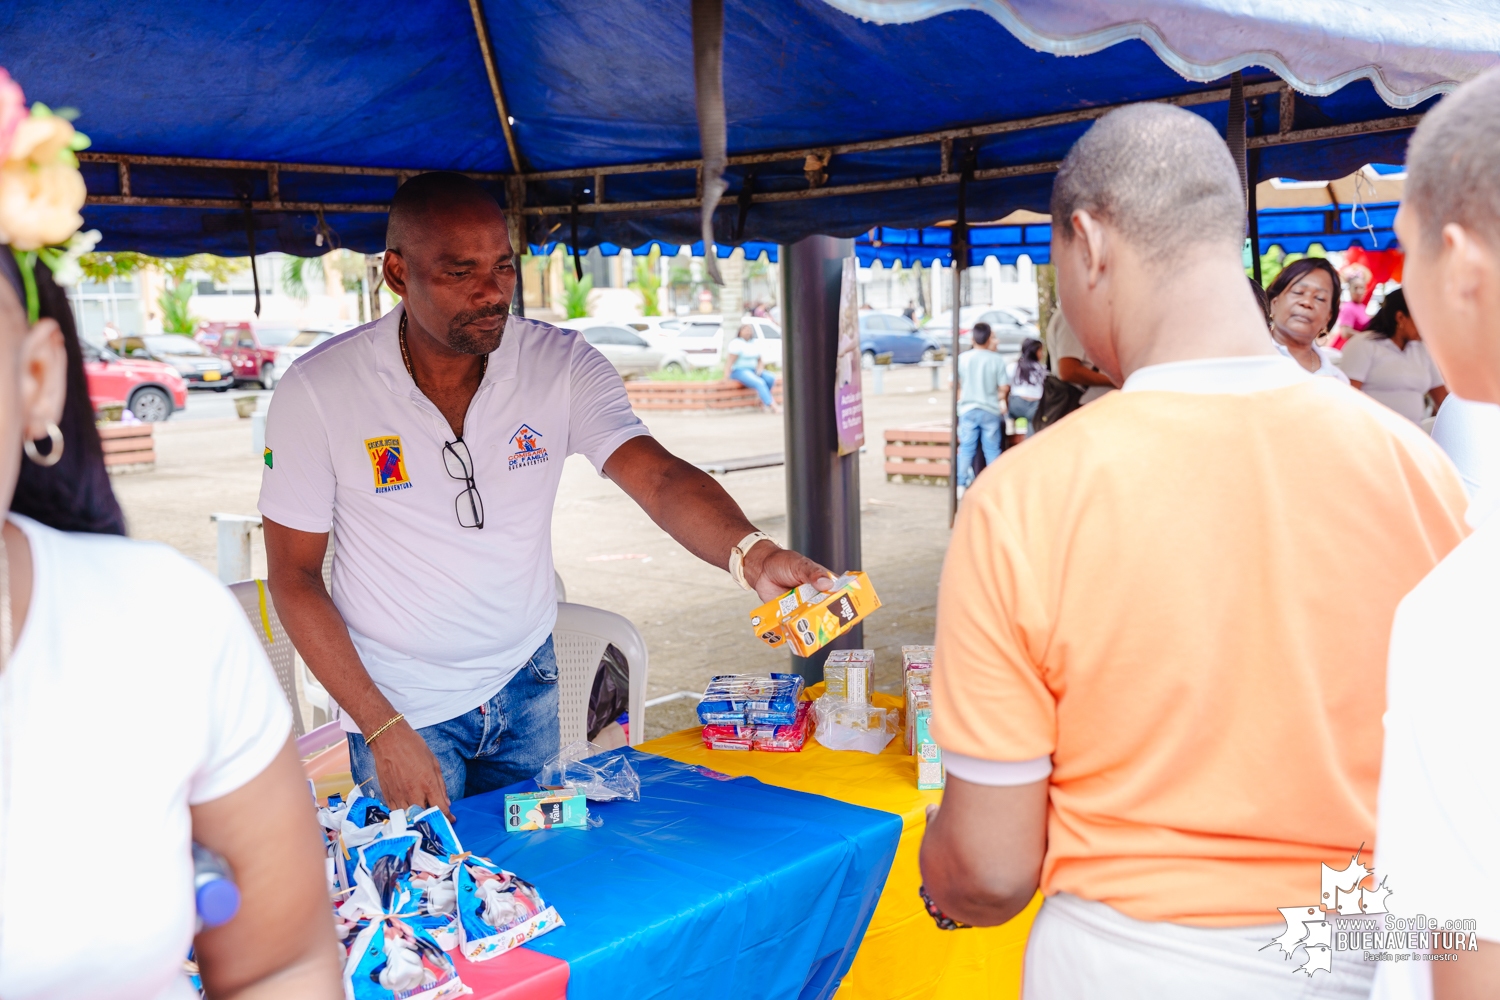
981 334
425 192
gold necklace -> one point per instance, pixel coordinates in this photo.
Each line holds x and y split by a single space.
484 359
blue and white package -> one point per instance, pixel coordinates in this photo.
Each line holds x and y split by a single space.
497 911
393 959
751 699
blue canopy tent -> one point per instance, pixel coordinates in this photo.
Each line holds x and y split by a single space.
309 116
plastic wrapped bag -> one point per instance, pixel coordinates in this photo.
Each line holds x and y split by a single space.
846 725
600 775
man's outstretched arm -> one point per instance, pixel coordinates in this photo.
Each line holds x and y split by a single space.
982 853
696 511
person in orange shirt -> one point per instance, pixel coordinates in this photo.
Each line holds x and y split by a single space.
1158 680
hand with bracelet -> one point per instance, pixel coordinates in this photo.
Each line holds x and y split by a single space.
410 776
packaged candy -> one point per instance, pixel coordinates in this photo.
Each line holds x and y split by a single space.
497 911
785 739
807 619
546 810
751 699
781 739
391 959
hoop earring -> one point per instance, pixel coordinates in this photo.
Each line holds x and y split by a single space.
54 455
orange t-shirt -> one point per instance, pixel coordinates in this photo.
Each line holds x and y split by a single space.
1185 601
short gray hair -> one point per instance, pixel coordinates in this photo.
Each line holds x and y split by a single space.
1160 175
1452 170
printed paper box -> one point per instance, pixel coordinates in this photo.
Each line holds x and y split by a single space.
807 619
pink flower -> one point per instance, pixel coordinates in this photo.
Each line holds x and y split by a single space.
12 110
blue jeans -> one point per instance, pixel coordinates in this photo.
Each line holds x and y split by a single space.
1024 408
503 741
976 426
761 382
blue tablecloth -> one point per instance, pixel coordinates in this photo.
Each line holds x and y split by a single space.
708 888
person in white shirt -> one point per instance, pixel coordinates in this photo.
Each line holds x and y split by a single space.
133 721
1304 302
746 363
1390 362
1438 840
1021 388
429 444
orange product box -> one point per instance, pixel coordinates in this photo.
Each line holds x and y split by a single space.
807 619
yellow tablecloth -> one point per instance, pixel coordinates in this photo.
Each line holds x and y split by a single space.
904 956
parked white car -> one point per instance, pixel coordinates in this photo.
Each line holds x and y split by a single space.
628 350
703 338
304 341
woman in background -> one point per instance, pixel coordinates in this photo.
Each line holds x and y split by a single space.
1390 362
1022 388
133 722
1304 300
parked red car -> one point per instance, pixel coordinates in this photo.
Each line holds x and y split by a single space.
150 389
249 347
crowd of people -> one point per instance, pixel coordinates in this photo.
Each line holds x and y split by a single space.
1168 694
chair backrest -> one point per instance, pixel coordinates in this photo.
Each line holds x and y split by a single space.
580 638
255 599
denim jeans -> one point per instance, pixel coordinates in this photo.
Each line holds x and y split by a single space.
1023 408
762 383
503 741
976 426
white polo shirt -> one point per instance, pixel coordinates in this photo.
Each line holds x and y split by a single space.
441 615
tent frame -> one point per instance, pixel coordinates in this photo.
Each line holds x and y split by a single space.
515 181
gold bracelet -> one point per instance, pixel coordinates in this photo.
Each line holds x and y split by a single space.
371 738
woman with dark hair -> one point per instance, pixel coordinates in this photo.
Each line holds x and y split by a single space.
1022 388
74 494
162 742
1390 362
1304 302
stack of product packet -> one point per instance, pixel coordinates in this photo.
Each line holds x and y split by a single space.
916 670
754 712
845 718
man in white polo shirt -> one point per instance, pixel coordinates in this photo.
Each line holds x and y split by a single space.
430 443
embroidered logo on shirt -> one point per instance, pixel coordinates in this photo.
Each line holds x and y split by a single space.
528 451
389 466
267 458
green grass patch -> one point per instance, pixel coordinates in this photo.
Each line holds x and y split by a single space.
713 374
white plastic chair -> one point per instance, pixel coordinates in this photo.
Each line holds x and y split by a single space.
255 599
580 638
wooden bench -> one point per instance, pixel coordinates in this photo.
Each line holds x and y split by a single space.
128 447
725 394
918 454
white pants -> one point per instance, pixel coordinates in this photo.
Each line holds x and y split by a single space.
1081 950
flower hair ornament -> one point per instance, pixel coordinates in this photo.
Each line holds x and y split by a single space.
41 190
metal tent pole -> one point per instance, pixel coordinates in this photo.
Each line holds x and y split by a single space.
822 488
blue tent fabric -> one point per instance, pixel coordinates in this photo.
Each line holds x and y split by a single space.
403 86
709 886
1293 229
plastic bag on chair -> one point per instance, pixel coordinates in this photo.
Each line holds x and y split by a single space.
602 776
610 697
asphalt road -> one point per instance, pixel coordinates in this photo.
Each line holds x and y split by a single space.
209 405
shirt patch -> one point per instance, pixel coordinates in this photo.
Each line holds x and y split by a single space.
267 458
528 451
388 464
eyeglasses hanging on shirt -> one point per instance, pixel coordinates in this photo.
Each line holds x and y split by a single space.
468 506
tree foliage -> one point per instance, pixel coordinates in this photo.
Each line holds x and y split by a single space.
176 317
101 266
648 282
576 293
